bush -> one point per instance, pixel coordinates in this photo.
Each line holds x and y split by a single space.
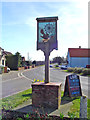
86 71
70 69
83 71
56 66
78 70
12 62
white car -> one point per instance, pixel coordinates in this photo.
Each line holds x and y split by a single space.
8 69
64 67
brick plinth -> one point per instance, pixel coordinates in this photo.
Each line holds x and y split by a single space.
46 95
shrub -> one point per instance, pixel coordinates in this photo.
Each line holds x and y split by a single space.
78 70
83 71
86 71
70 69
56 66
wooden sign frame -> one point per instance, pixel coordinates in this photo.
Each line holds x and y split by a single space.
73 87
47 39
52 43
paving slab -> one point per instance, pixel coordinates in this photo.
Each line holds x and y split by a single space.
27 107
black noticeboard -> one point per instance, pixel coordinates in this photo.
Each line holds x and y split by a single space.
72 86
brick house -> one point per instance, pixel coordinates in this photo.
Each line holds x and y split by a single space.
78 57
3 55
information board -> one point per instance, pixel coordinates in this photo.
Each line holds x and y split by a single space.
72 86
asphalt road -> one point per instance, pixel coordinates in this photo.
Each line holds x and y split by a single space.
15 82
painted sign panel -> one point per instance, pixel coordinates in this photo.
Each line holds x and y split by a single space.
47 33
72 86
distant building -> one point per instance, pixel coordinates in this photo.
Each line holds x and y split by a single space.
40 63
78 57
23 59
3 55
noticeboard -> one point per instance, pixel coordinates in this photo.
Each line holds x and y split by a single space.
72 86
47 33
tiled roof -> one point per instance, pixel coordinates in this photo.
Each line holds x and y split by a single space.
1 48
79 52
7 53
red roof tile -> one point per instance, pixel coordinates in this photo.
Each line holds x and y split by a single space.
79 52
7 53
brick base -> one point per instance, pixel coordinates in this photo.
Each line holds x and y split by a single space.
46 95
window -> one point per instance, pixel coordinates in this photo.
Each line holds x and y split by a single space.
2 62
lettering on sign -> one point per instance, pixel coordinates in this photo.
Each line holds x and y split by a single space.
72 86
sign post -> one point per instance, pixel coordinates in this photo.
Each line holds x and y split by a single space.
47 39
46 62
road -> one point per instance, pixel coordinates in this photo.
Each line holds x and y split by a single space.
15 82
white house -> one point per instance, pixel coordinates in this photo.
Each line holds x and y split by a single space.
78 57
2 56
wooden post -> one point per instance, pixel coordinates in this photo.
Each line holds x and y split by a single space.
46 53
83 107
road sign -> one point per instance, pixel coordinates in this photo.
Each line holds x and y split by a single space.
72 86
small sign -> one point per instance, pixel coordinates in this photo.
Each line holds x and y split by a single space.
72 86
47 33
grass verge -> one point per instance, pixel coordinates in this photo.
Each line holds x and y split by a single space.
17 99
13 101
75 108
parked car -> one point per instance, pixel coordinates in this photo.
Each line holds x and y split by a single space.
2 68
8 69
51 66
64 67
87 66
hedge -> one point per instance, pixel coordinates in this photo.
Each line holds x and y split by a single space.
12 62
82 71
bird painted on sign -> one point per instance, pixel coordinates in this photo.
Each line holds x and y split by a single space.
44 36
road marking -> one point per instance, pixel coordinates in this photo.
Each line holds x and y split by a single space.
20 75
26 77
12 79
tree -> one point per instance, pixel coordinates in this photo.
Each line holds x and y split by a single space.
17 53
19 59
58 60
34 62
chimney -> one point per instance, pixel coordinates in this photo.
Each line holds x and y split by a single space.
79 47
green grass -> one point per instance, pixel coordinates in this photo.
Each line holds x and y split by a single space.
17 99
13 101
65 70
57 67
75 108
88 109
